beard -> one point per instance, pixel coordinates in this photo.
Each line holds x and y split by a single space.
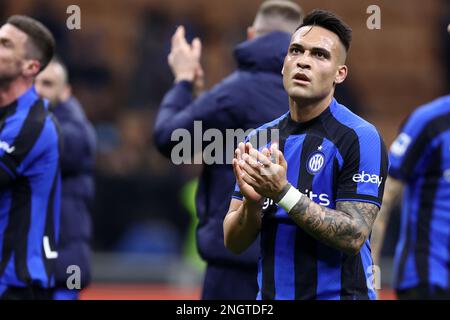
8 75
6 78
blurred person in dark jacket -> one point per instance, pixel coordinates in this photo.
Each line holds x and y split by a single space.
249 97
77 164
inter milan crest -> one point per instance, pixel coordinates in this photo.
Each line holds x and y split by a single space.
315 162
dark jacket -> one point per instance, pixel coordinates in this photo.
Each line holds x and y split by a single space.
77 164
249 97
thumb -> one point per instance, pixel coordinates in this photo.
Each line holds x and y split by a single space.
181 32
278 155
274 152
197 48
282 161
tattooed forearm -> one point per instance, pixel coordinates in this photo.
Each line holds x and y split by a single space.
345 228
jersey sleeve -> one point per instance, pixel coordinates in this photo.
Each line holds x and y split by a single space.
10 154
17 142
364 169
237 191
408 148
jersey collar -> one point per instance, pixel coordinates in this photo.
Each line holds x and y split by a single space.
298 127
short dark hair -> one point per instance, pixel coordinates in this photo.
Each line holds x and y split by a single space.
328 20
41 41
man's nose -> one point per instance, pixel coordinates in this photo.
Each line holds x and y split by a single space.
303 61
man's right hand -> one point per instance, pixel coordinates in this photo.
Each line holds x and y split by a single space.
184 59
247 191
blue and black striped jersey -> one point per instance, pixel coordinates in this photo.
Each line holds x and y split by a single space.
420 157
29 193
337 156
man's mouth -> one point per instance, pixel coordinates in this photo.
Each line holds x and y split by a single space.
301 78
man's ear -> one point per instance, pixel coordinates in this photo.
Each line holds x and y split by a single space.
282 70
31 68
251 33
66 93
341 74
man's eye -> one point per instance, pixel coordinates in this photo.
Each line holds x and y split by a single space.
320 54
295 50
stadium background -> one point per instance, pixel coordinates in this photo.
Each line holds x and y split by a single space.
143 211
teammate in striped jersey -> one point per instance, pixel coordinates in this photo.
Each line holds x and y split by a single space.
420 168
29 165
314 206
420 158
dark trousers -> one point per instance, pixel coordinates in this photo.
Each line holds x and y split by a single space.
424 292
27 293
223 282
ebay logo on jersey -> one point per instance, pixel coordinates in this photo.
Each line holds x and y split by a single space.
367 178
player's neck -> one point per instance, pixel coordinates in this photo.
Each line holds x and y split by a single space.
303 110
10 91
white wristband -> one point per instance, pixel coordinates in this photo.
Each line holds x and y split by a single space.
290 199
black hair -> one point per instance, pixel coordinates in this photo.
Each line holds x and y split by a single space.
328 20
41 41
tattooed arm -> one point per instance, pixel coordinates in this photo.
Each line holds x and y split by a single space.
345 228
